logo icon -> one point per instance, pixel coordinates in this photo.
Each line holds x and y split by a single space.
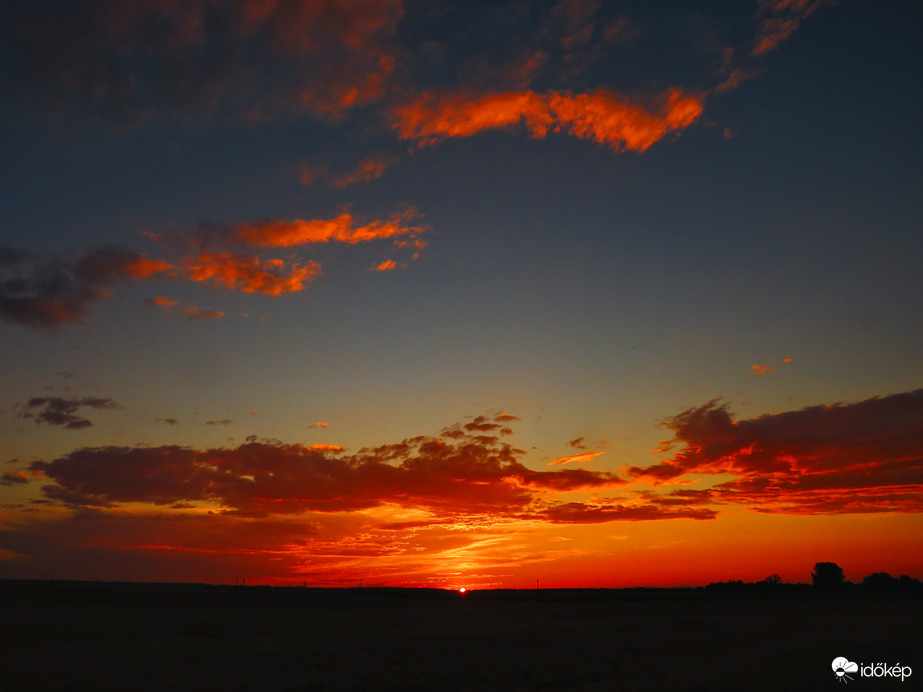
842 666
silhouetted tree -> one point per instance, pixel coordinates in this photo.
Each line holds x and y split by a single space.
909 582
827 575
879 580
772 580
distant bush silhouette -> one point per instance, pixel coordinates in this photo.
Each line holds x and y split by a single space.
827 575
884 582
879 580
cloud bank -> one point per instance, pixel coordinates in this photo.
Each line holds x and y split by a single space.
865 456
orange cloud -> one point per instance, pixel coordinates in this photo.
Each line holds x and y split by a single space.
387 265
603 116
249 273
161 302
275 233
575 458
326 448
760 370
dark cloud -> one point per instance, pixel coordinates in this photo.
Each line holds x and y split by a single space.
62 411
862 456
127 63
472 473
13 478
44 294
223 421
597 513
436 69
577 443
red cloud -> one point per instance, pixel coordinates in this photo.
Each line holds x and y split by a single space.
196 313
603 116
387 265
370 168
784 17
577 443
863 456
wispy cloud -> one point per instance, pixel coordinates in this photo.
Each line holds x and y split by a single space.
779 19
191 312
575 458
369 168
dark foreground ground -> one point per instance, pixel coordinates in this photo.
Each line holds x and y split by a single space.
72 636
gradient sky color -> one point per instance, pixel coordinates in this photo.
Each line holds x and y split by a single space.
460 294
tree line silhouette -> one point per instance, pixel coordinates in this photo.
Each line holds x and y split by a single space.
827 577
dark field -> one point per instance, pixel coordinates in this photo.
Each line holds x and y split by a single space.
65 636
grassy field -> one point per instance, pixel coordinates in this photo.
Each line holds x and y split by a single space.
58 636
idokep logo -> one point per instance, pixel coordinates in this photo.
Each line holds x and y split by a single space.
842 667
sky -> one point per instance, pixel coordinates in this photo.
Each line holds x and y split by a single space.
599 294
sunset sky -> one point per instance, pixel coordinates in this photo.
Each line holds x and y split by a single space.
432 293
